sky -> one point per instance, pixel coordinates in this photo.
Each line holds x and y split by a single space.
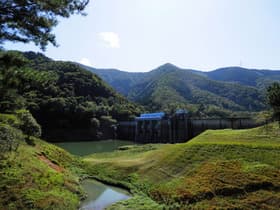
140 35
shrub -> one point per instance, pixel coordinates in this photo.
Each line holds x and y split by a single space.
273 96
29 125
9 139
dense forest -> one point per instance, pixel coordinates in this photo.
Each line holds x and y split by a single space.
226 92
62 96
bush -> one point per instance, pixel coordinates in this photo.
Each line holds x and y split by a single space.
273 96
9 139
29 125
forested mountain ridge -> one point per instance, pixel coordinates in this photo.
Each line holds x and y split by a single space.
243 76
120 80
64 97
169 87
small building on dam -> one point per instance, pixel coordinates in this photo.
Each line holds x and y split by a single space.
179 127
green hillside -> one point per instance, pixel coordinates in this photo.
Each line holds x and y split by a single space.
229 169
37 175
184 87
219 92
62 96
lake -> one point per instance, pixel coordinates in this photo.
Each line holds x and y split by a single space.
100 195
83 148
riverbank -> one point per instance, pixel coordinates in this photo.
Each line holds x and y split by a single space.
38 175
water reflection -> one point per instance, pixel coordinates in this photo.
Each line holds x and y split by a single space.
101 196
90 147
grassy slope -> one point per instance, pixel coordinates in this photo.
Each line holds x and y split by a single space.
39 177
218 169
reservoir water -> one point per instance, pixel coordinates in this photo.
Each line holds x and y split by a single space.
100 195
83 148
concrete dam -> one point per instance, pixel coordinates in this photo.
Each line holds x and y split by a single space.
179 127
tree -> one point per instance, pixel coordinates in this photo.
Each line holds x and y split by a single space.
9 80
29 125
33 20
273 95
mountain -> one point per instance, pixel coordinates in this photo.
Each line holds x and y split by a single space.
119 80
68 101
217 92
250 77
123 81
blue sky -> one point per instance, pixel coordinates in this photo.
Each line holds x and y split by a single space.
139 35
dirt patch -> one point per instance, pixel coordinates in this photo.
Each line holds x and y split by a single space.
51 164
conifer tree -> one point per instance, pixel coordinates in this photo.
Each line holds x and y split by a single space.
33 20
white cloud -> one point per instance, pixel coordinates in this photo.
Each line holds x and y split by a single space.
110 39
85 61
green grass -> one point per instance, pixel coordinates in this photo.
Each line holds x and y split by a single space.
268 135
218 169
27 182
